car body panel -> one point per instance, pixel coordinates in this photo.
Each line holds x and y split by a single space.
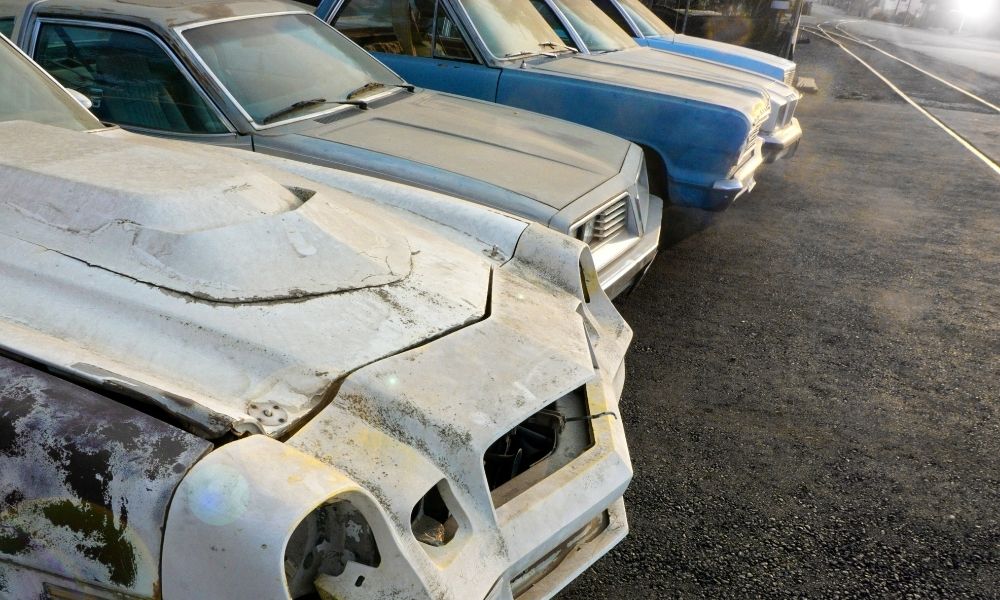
659 111
772 66
528 164
589 25
540 158
781 132
369 387
85 487
667 39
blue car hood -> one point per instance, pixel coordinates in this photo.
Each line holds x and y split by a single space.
615 68
700 69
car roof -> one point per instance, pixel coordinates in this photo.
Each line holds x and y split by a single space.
154 14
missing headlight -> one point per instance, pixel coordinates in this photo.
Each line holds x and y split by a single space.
324 542
537 447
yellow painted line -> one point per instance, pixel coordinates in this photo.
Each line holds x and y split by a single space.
855 38
961 140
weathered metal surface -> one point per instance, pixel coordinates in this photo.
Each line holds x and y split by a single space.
84 486
210 360
387 391
547 170
696 130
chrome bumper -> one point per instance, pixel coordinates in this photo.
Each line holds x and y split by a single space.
726 191
783 142
628 269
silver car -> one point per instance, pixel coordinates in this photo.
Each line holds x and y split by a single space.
270 77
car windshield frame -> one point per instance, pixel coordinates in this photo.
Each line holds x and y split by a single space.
536 47
392 82
634 11
595 23
41 84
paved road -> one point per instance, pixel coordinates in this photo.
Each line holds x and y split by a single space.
979 54
813 400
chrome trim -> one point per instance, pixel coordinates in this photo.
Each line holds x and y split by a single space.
573 33
39 21
636 32
179 30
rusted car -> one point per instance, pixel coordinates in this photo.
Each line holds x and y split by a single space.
226 375
268 76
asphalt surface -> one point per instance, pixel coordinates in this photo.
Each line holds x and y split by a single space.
813 396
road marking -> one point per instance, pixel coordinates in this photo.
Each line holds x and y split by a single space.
961 140
855 38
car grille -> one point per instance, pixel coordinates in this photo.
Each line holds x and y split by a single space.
790 77
751 140
611 221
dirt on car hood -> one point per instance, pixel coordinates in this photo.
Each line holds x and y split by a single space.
181 274
545 159
698 69
612 68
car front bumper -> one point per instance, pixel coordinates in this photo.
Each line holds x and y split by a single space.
783 142
626 271
726 191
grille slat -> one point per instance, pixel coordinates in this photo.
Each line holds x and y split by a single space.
610 221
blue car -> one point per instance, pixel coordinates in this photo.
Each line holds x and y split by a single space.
649 30
701 139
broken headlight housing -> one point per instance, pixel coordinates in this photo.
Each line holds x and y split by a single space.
329 538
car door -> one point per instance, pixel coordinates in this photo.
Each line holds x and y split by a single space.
421 41
132 79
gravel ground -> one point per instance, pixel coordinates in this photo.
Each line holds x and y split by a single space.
813 400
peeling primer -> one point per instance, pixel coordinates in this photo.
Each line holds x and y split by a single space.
84 482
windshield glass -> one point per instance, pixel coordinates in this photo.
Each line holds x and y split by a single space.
646 20
598 31
27 95
511 28
287 66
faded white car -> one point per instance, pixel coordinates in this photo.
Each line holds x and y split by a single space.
224 379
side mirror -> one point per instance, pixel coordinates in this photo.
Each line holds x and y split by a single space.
83 100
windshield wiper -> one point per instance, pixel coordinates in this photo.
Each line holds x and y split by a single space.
349 99
526 54
292 108
374 85
558 46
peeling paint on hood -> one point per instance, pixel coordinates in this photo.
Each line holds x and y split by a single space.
381 279
208 238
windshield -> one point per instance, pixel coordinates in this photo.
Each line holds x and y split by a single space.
598 32
511 28
28 95
646 20
287 66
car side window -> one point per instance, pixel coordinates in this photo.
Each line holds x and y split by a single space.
6 26
612 11
550 17
403 27
128 77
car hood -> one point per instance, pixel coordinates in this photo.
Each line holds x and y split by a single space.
706 70
218 290
775 62
614 68
545 159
